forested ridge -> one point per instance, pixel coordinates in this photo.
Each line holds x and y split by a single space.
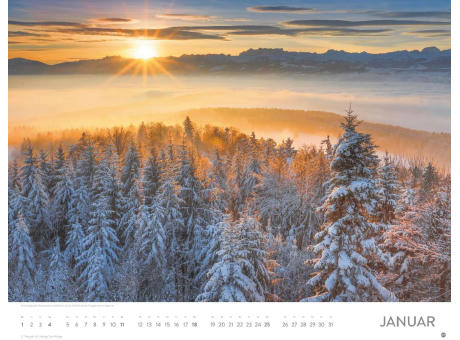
190 213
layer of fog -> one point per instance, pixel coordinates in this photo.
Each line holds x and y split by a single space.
418 101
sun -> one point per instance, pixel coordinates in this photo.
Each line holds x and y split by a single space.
145 50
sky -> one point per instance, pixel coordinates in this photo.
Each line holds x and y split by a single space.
55 31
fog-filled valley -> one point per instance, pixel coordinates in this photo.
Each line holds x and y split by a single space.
39 104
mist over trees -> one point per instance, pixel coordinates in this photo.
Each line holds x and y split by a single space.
190 213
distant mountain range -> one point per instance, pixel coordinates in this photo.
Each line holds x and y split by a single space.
261 60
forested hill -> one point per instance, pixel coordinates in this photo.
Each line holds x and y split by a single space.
407 143
414 145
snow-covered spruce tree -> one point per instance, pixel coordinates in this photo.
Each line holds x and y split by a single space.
415 175
60 160
80 205
130 195
46 173
14 198
216 200
82 196
208 256
151 239
34 201
233 277
388 191
62 201
112 186
219 183
251 239
14 180
250 179
195 213
408 199
130 172
429 181
75 238
403 242
151 177
188 129
78 217
345 243
173 224
437 227
235 179
59 286
100 245
86 166
21 263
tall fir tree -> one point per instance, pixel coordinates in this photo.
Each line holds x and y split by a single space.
388 191
46 173
174 226
151 238
34 201
100 245
62 201
345 245
21 263
151 179
429 180
59 286
130 176
194 212
189 129
251 239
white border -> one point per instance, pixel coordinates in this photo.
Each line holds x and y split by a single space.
351 320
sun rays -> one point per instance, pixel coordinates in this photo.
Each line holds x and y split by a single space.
143 61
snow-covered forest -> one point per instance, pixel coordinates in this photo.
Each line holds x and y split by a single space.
190 213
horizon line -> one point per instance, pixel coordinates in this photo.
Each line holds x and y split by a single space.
233 55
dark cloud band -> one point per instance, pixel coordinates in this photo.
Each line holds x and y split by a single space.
170 33
45 23
431 14
24 34
114 20
279 9
219 32
346 23
184 16
430 33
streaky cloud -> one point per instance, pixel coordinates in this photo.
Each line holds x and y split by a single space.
219 32
24 34
411 14
347 23
45 23
114 20
429 33
171 33
279 9
252 30
186 17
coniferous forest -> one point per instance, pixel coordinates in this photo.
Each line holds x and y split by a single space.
202 213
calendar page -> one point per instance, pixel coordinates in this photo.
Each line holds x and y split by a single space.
222 169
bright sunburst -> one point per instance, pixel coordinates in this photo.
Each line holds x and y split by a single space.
145 50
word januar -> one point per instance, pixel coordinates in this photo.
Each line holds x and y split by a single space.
408 321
